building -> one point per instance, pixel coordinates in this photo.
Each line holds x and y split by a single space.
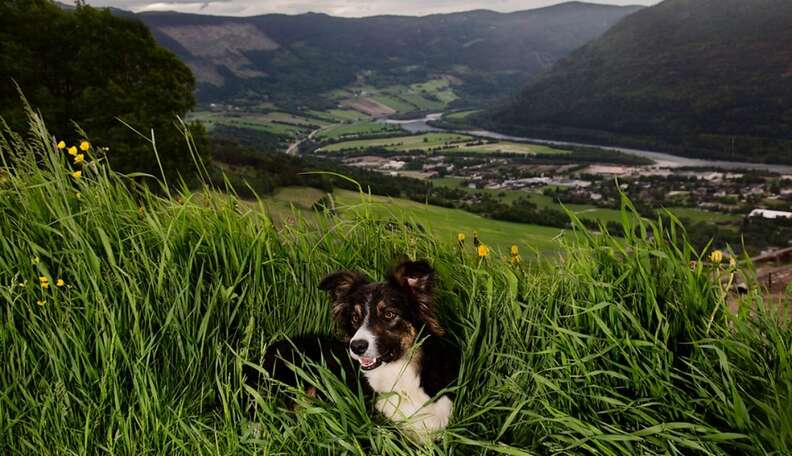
768 214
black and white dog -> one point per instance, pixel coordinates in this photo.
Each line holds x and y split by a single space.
391 331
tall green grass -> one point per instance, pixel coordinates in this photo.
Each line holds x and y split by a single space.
620 348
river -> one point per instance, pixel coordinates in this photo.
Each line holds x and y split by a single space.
661 159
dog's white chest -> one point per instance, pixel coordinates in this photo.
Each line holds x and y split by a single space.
401 398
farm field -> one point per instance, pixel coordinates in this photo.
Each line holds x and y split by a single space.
279 123
432 95
460 115
339 115
401 143
340 131
510 147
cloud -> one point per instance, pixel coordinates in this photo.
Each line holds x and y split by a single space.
349 8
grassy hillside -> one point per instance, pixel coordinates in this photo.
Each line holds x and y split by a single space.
440 223
702 78
620 348
276 56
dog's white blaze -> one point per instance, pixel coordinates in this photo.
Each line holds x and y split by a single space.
365 333
402 399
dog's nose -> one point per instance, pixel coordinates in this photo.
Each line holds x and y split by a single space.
359 346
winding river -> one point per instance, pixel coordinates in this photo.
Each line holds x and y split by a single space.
661 159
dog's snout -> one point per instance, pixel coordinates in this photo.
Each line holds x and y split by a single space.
359 346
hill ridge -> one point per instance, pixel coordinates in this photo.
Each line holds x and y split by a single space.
701 78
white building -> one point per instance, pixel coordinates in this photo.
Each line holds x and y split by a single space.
768 214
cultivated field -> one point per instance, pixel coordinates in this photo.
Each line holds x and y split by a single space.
401 143
510 147
279 123
341 131
432 95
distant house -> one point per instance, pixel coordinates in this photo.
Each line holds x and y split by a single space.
768 214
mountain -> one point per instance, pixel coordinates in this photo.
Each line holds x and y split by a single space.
710 78
284 58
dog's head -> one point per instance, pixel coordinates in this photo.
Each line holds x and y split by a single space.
381 321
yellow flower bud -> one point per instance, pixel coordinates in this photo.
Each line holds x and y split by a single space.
61 145
72 150
461 237
515 250
77 174
483 250
79 158
44 282
60 283
84 146
716 256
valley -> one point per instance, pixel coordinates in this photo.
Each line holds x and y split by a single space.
520 185
431 107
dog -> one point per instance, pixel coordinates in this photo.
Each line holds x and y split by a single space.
392 335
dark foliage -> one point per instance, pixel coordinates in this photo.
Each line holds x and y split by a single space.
89 67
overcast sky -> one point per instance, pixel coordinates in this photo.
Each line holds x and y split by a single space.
337 7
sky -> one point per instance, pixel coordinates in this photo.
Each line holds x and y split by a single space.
348 8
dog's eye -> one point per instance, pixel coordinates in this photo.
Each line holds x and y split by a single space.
389 315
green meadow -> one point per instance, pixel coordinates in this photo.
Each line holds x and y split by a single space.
340 131
278 123
129 307
441 223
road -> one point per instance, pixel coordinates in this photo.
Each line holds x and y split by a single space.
294 148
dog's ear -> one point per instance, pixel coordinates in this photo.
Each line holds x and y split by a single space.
340 284
417 279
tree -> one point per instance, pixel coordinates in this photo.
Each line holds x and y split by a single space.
90 67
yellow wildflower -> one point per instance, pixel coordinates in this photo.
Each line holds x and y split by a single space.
716 256
515 250
483 250
60 283
72 150
35 260
41 302
84 146
61 145
77 174
461 237
79 158
78 195
44 281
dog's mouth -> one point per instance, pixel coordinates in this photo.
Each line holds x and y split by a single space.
369 363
